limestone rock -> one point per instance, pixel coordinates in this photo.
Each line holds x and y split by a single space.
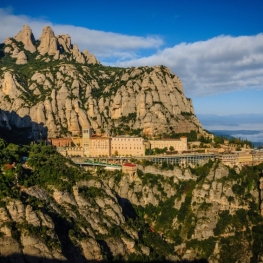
77 54
116 246
15 52
10 249
145 250
48 42
68 97
34 247
8 41
8 50
17 210
130 243
21 58
91 249
91 59
31 216
37 192
27 38
65 42
62 197
9 86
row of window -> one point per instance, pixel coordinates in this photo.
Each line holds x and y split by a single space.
138 148
128 139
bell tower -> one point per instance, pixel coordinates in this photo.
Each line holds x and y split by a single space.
86 135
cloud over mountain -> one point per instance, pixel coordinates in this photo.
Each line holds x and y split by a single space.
217 65
106 45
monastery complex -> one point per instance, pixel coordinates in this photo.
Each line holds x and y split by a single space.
123 145
90 145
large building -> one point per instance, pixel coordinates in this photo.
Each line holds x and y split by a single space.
243 158
61 142
179 145
127 145
100 146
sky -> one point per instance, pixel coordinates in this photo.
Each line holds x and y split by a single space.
215 47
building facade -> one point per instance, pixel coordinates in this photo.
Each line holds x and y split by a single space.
100 146
179 145
257 157
86 136
61 142
127 145
130 169
228 159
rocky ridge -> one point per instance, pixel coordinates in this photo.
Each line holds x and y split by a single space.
95 217
208 209
66 90
53 211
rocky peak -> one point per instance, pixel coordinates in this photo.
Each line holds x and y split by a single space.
48 42
78 55
27 38
21 58
149 100
59 47
90 58
65 42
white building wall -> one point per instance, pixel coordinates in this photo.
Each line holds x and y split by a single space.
178 144
126 145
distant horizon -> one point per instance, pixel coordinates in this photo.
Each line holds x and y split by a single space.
246 126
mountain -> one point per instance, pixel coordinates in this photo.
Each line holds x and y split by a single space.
53 211
51 83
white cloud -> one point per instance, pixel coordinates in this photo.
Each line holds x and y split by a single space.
102 44
220 64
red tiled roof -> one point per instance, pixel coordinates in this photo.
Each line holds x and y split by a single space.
8 166
129 164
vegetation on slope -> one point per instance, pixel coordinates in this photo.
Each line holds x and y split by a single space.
169 223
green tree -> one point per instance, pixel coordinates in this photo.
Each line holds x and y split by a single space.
171 148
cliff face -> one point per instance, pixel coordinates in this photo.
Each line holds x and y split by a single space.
205 212
57 85
45 234
51 210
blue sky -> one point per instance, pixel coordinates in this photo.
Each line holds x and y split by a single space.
215 47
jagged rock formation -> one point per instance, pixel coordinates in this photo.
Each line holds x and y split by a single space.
51 210
27 38
74 225
67 96
48 42
32 244
208 211
59 47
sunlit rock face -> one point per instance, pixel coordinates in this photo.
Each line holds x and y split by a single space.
27 38
66 89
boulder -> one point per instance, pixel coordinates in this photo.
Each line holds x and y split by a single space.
21 58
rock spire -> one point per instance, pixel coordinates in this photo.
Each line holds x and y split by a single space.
27 38
48 42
